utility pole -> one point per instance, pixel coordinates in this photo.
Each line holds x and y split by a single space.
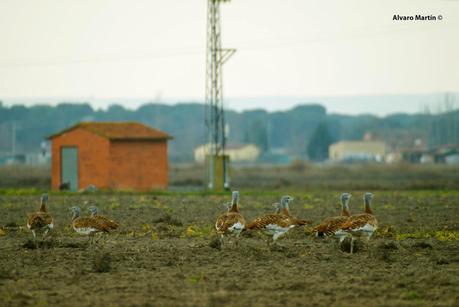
13 139
216 56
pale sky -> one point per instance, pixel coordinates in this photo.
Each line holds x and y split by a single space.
106 50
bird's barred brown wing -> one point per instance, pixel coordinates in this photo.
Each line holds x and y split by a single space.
221 220
89 222
270 219
39 220
225 221
301 222
330 225
107 221
359 220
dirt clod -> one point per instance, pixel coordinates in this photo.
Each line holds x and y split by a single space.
216 243
101 263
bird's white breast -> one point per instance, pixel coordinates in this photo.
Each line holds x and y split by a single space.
85 230
236 227
365 230
340 233
274 228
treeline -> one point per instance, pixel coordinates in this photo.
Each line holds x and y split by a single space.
300 131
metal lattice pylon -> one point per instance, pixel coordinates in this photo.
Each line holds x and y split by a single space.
216 56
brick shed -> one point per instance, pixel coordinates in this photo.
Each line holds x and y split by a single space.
109 155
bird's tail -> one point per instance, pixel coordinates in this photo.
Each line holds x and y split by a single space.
301 222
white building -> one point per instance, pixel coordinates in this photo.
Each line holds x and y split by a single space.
237 153
358 151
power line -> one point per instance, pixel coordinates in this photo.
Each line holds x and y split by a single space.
245 46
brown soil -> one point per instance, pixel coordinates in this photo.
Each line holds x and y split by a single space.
165 254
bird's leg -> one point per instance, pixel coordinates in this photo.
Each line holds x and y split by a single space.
269 241
104 240
222 240
276 236
45 234
34 239
236 241
231 241
352 244
341 240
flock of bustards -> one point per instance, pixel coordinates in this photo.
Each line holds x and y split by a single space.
232 222
279 223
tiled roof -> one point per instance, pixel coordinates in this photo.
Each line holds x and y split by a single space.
119 131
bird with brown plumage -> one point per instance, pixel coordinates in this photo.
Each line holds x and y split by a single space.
285 210
87 225
279 223
103 219
331 226
231 223
40 220
361 225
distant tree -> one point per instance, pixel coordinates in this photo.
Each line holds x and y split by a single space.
296 130
257 134
320 141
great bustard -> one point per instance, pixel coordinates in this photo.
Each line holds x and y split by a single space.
87 225
103 219
277 224
361 225
332 226
40 220
231 222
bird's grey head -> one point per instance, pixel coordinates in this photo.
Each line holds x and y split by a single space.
367 197
93 210
345 198
235 197
286 200
75 210
44 197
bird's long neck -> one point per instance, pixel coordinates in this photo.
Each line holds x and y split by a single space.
43 206
345 209
75 215
234 203
368 206
285 211
234 207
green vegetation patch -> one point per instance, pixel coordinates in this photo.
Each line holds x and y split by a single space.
443 235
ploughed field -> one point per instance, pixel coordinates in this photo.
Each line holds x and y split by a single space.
165 254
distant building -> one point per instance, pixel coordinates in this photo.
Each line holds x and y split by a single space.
357 151
411 155
109 155
12 159
448 154
236 153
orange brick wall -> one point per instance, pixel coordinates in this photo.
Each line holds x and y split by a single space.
139 165
93 158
